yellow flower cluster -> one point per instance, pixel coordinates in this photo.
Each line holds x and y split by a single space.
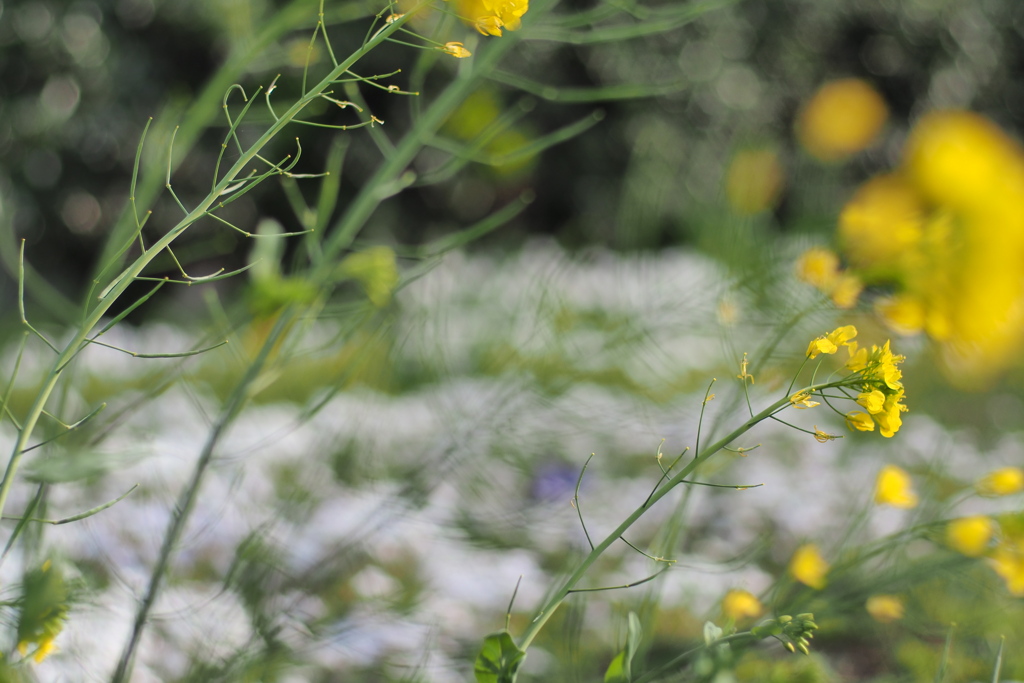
946 233
489 17
881 389
875 373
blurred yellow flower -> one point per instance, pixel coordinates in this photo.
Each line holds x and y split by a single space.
740 604
842 118
808 566
489 17
945 233
754 180
846 291
1008 561
903 313
964 161
880 223
885 608
819 267
1001 482
894 487
970 535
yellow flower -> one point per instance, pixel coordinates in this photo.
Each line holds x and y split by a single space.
842 118
884 219
831 342
885 608
846 291
1008 562
802 400
818 267
894 487
962 160
489 17
1001 482
455 49
903 313
808 566
862 422
970 535
873 401
740 604
754 180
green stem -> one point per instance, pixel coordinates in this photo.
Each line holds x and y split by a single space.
560 595
187 499
676 661
121 283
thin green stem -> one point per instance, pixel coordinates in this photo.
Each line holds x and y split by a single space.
187 499
569 586
115 289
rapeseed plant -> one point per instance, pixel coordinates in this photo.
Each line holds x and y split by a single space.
945 234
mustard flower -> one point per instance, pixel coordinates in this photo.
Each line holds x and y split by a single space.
455 49
808 566
846 291
873 401
1001 482
802 400
894 487
740 604
1008 561
885 608
842 118
831 342
818 267
970 535
489 17
862 422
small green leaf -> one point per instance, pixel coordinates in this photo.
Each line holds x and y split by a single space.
620 670
499 659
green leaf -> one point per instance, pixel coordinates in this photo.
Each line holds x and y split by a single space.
499 659
620 670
